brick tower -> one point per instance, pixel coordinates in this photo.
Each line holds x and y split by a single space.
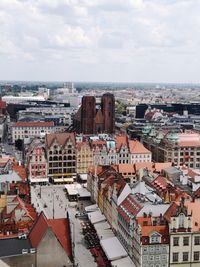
88 113
108 110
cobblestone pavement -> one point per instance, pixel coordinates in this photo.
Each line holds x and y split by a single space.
53 201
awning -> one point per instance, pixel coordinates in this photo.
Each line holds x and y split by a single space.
91 208
83 177
39 180
102 226
96 217
124 262
83 192
63 180
113 248
104 233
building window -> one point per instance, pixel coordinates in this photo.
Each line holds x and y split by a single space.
155 238
185 241
185 256
176 241
196 256
175 257
197 240
181 220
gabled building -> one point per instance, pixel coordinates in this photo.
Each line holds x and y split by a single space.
184 232
122 148
37 162
138 153
84 157
52 242
61 157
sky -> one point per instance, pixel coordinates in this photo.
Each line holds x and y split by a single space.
100 40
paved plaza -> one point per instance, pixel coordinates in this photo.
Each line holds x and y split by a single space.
54 203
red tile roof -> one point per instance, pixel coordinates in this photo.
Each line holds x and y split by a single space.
160 183
171 211
38 230
61 229
129 207
126 168
34 124
21 171
137 148
120 141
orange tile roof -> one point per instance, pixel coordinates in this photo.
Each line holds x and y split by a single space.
144 165
121 140
34 124
146 230
189 140
159 166
126 168
193 208
137 148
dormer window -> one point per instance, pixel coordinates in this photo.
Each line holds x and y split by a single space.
155 238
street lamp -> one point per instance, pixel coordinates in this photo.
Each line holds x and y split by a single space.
53 203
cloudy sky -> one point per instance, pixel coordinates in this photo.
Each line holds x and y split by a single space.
100 40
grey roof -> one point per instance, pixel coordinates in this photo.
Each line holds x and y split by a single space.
13 246
12 176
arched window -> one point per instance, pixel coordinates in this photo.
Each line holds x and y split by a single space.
181 220
55 158
69 157
50 152
50 158
69 151
60 157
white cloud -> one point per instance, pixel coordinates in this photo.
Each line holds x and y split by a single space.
152 37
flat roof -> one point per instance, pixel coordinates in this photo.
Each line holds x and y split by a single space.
113 248
13 246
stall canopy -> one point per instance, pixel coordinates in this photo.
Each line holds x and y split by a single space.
124 262
39 180
96 217
91 208
83 192
113 248
83 177
77 189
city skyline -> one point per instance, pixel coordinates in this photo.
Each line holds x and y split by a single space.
136 41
